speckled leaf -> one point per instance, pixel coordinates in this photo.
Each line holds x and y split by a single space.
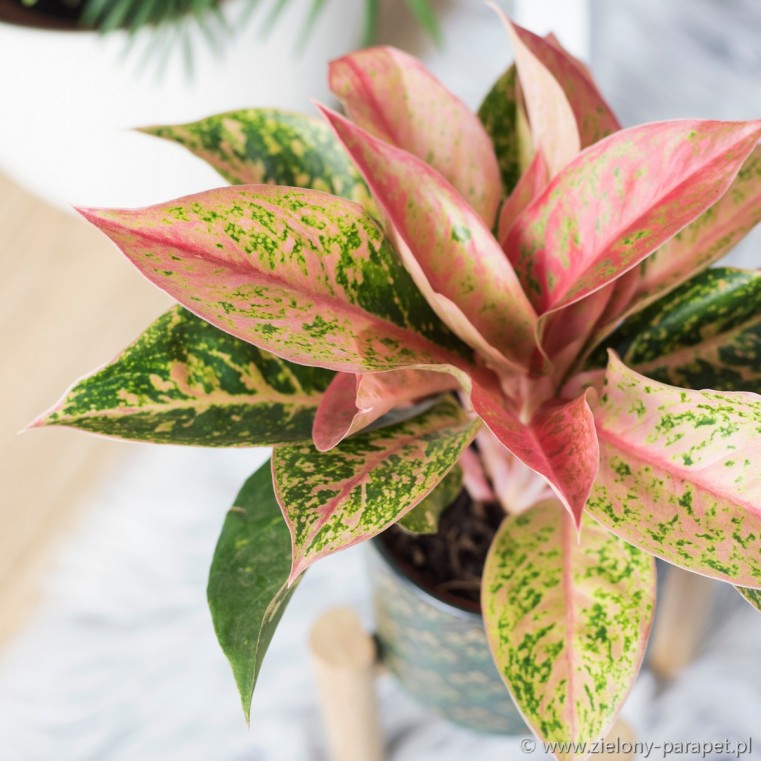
186 382
679 474
265 146
247 589
704 334
619 201
450 253
353 401
424 517
500 113
395 98
567 621
753 596
333 500
706 240
307 276
559 442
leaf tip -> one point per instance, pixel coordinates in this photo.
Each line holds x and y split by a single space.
154 131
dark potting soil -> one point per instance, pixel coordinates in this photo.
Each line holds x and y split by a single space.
449 564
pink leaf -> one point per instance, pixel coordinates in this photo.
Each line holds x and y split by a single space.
452 256
553 122
559 442
620 200
703 242
305 275
351 402
516 486
679 474
532 182
395 98
474 479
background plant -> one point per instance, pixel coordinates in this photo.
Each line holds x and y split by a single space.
132 15
573 343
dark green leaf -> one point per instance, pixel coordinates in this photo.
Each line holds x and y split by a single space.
261 145
424 518
704 334
247 589
186 382
499 113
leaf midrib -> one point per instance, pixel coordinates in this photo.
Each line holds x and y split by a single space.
686 474
270 279
560 295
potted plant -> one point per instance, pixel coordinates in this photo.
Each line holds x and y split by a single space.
122 63
378 291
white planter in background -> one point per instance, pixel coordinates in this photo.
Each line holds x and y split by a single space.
69 99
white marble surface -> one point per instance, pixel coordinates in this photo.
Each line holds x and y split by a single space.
121 663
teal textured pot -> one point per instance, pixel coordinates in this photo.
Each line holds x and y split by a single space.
438 651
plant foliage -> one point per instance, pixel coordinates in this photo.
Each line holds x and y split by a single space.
581 340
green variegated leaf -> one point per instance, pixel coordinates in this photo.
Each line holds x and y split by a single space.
453 257
679 474
424 517
186 382
305 275
265 146
247 589
704 334
567 621
753 596
333 500
499 113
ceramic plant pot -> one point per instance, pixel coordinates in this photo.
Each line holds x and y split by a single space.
70 99
438 651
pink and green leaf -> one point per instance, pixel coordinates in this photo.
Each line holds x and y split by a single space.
594 118
452 256
183 381
559 442
307 276
553 122
261 146
567 621
353 401
248 589
704 241
679 474
424 517
395 98
533 181
619 201
334 500
704 334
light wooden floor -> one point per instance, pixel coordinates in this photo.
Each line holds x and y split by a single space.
68 302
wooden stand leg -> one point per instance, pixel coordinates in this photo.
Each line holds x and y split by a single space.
621 741
344 656
683 612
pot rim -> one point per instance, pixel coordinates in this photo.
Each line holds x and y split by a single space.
19 17
411 585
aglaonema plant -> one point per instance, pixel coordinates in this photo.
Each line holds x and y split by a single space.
377 290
